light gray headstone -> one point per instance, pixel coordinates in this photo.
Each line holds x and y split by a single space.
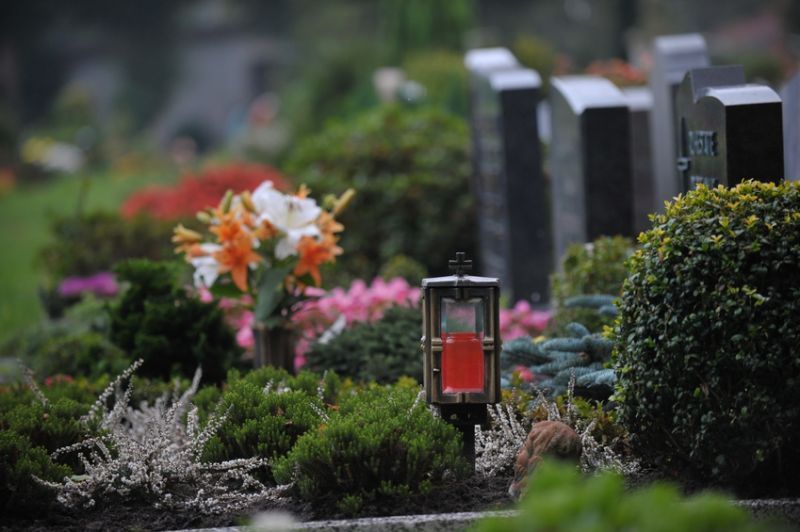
590 163
673 56
791 128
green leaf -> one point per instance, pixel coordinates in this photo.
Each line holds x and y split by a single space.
270 291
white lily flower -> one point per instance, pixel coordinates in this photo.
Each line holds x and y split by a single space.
206 269
292 216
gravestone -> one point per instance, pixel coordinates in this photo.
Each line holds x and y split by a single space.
729 130
673 56
640 103
480 63
590 162
791 128
513 216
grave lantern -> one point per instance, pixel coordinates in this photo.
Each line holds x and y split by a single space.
461 346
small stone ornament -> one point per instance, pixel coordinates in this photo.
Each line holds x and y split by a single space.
546 438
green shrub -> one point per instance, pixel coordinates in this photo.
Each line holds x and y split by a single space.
174 333
407 268
29 432
558 498
335 85
411 171
444 77
89 354
382 446
84 245
537 54
707 338
412 25
381 351
268 411
588 269
75 344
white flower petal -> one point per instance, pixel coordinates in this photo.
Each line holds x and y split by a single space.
285 248
206 271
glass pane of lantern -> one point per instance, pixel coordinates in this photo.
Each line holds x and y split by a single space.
462 346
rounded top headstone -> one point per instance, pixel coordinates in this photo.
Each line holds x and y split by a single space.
743 94
585 92
518 78
484 60
639 98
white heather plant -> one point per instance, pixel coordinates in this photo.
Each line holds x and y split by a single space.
496 449
152 454
594 455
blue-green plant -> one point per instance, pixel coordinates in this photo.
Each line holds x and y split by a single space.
580 354
589 275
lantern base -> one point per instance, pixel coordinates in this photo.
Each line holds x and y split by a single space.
464 418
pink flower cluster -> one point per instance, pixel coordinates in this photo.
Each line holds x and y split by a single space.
522 320
101 284
359 303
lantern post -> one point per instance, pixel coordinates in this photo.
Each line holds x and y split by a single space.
461 347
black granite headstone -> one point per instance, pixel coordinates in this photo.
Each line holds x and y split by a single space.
791 128
729 130
514 222
673 56
590 163
640 103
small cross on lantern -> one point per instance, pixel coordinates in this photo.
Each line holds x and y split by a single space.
460 264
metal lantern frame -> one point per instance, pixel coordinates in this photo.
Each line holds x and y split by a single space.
460 287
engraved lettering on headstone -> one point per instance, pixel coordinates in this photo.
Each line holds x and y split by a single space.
695 180
703 143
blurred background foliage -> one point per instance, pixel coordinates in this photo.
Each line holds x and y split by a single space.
99 99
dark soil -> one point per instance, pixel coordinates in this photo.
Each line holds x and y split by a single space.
473 494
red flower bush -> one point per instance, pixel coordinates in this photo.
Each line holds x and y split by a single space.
194 193
618 72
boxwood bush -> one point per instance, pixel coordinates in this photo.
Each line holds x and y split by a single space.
382 446
411 170
708 336
382 351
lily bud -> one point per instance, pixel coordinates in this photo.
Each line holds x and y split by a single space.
329 202
343 201
247 201
225 204
186 236
204 217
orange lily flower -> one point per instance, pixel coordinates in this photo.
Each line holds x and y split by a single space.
232 226
328 225
314 253
235 257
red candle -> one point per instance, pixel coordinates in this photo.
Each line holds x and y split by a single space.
462 362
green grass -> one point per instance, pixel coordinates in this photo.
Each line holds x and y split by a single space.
25 215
